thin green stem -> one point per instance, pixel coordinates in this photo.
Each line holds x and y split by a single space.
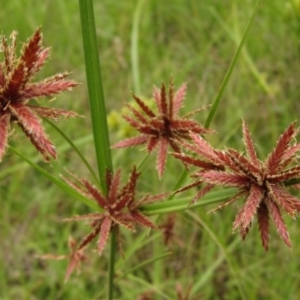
73 146
56 181
209 272
143 163
224 251
179 183
144 263
111 266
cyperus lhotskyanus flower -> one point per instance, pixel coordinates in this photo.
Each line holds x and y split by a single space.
261 184
164 128
120 207
17 89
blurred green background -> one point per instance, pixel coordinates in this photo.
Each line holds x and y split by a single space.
141 44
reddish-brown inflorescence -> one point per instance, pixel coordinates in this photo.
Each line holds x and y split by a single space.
261 184
207 158
164 128
17 88
120 207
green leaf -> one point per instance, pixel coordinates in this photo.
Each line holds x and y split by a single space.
58 182
73 146
184 203
231 67
144 263
134 45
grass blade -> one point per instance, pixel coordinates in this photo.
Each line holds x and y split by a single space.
134 46
184 203
73 146
56 181
224 252
144 263
231 67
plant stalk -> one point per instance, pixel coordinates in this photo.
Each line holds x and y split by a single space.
98 112
95 90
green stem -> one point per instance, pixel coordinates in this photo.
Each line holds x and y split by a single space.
73 146
224 251
95 90
179 183
59 183
149 209
143 163
144 263
98 111
111 266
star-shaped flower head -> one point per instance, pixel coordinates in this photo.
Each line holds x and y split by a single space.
120 207
261 184
17 88
163 128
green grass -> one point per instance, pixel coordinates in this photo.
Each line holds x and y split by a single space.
194 41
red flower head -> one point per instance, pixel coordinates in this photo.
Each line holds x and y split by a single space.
164 128
261 184
120 207
16 89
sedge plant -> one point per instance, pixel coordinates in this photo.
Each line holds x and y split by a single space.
261 186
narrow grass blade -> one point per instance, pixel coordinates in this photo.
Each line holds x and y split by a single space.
152 287
223 85
247 58
223 250
231 67
144 263
134 46
56 181
139 242
16 167
73 146
209 272
179 183
184 203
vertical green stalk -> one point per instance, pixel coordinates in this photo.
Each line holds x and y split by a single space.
98 112
111 266
95 89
